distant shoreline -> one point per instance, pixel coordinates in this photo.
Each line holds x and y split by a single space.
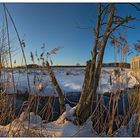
124 65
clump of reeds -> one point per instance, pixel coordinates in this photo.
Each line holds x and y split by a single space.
134 103
5 109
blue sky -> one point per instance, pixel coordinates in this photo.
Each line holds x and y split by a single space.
56 25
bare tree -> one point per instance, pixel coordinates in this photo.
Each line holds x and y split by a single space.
107 23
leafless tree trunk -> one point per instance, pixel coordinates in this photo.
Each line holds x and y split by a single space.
91 81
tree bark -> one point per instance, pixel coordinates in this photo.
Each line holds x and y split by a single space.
85 109
84 93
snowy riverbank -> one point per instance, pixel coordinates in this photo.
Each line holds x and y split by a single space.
70 80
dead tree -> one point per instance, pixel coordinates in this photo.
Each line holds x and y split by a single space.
108 21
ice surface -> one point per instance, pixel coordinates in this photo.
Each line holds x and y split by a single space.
70 80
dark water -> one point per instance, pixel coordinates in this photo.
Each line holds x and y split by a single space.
45 104
48 107
122 102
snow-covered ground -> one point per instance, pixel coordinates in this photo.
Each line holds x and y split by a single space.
70 80
36 127
22 127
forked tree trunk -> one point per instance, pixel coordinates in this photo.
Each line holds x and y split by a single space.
84 107
93 70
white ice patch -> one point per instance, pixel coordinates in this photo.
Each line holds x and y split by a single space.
69 83
72 86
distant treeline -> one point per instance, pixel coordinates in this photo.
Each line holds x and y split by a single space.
123 65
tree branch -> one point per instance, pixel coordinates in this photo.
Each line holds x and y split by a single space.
104 15
100 36
105 8
103 23
125 20
137 8
132 27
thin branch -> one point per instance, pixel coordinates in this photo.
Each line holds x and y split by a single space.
118 17
125 20
105 8
136 7
104 15
103 23
131 27
100 36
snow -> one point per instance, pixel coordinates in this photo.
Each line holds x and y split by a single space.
32 119
69 79
23 126
32 125
69 113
